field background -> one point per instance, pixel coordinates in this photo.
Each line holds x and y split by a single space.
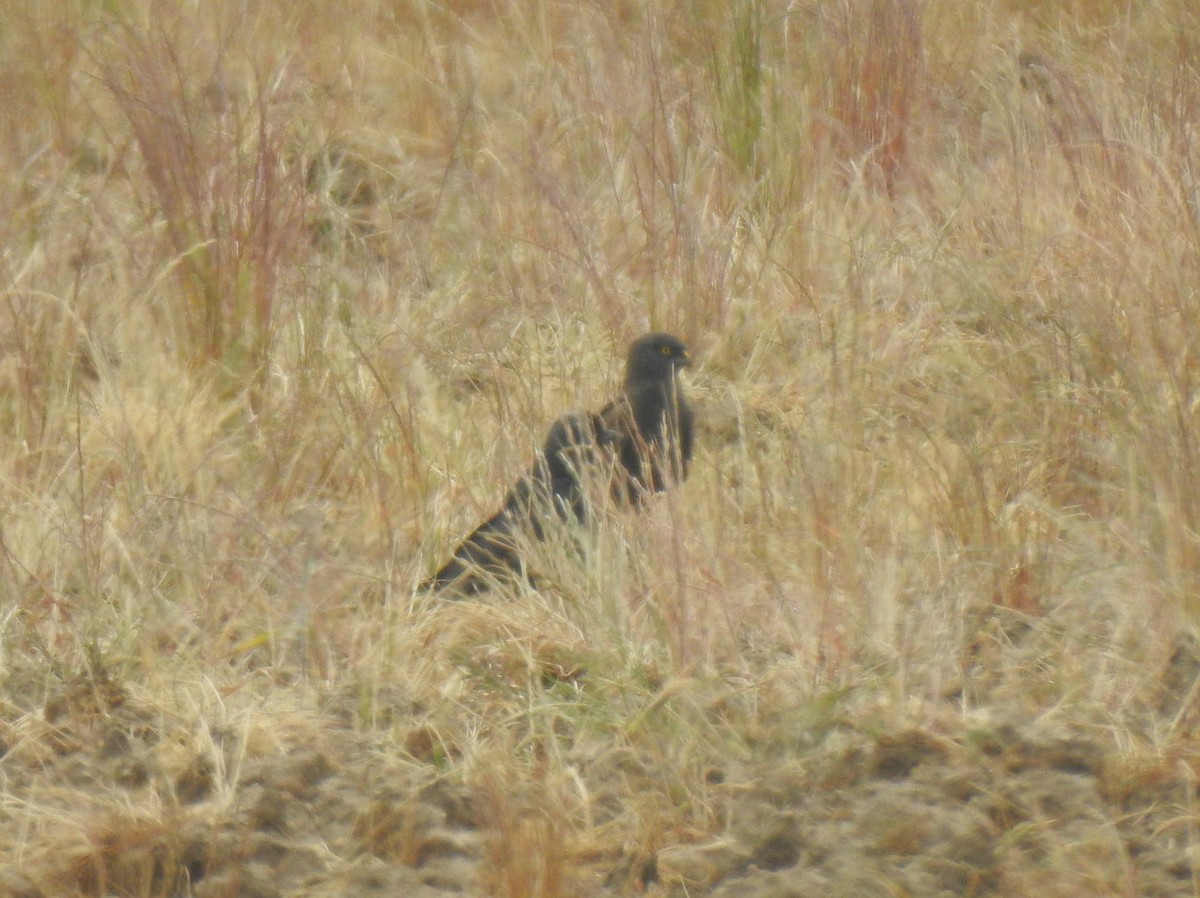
291 292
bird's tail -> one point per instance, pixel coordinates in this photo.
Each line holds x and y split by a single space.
487 555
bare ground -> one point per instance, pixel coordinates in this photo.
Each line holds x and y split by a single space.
312 803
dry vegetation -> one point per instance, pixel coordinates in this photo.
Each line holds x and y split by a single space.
291 292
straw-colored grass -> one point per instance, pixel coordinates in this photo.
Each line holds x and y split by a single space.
291 293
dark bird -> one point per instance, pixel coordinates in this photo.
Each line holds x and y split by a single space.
642 442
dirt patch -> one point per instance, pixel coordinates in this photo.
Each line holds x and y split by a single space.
1000 812
124 799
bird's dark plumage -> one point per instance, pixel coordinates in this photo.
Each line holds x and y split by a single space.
552 490
642 440
652 417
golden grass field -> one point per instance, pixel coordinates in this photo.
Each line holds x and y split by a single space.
291 293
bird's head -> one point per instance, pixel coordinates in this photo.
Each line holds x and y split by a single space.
655 358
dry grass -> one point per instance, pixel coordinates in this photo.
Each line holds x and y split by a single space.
290 294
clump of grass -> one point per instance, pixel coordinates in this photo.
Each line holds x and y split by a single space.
213 150
738 69
529 851
872 62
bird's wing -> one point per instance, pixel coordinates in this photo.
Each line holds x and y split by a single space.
550 490
618 422
629 449
487 553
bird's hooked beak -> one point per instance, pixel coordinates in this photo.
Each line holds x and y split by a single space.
685 360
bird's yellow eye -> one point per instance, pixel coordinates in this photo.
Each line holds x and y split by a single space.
666 350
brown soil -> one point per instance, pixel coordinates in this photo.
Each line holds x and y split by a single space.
151 805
